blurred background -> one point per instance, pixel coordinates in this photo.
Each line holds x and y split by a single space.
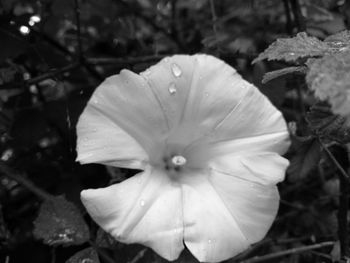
54 53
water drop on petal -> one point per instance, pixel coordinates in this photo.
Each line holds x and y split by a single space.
94 100
176 70
142 203
172 88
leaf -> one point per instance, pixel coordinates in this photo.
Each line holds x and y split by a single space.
292 49
329 78
324 123
87 255
104 239
280 72
305 160
60 223
339 41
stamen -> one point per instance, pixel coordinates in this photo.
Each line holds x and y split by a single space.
178 160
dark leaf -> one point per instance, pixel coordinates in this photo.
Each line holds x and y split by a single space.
329 78
104 239
87 255
292 49
280 72
60 223
306 158
324 123
339 41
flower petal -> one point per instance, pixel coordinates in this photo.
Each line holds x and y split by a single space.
206 91
265 168
223 214
102 141
145 209
126 103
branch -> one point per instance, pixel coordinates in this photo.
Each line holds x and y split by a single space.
343 204
138 256
77 18
40 78
64 50
334 160
19 178
289 27
213 16
298 16
287 252
124 60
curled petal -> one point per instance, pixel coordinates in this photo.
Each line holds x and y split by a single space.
144 209
100 140
223 214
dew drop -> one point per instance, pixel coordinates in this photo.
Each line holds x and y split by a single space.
292 53
172 88
176 70
147 72
209 241
142 203
94 100
166 60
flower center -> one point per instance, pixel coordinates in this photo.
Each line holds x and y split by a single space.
178 160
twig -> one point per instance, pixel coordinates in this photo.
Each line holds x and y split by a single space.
289 27
138 256
334 160
343 203
77 20
287 252
125 60
19 178
40 78
64 50
213 16
102 253
173 18
53 254
298 16
343 217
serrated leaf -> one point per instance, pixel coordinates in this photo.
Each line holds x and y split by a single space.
329 78
60 223
87 255
280 72
305 160
328 125
292 49
339 41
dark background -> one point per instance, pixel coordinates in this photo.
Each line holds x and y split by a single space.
49 68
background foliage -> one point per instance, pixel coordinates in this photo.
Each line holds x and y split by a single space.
55 52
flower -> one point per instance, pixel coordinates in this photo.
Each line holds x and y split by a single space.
208 143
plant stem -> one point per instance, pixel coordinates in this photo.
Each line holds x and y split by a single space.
77 18
287 252
298 16
19 178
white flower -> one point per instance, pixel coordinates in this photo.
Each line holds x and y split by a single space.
208 143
